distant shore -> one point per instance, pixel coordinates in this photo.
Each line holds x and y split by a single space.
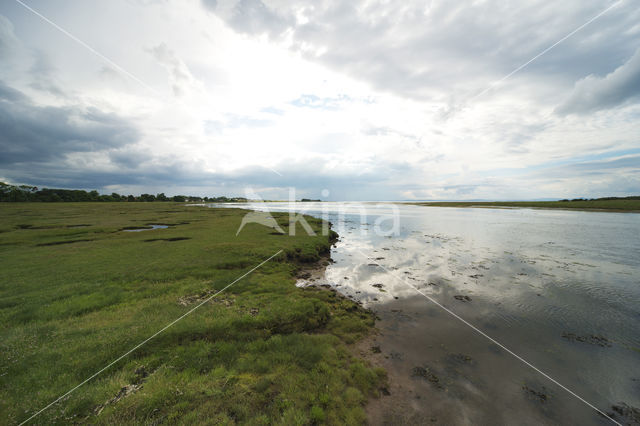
613 205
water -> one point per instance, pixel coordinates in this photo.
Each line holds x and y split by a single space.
559 288
149 228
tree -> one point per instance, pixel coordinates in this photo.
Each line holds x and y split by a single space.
17 194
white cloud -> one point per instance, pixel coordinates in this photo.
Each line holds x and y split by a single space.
180 77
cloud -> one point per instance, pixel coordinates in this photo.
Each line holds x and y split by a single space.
252 16
210 4
604 167
233 121
593 93
10 94
128 158
33 134
313 101
137 171
616 176
8 40
436 50
180 77
42 71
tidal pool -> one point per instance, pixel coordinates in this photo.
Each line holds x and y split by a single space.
559 289
147 228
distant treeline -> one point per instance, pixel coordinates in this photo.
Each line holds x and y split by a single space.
13 193
634 197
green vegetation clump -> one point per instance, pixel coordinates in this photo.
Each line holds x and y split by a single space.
76 292
608 203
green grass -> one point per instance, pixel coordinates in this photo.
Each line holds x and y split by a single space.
614 205
73 298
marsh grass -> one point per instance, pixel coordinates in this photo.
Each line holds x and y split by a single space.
76 292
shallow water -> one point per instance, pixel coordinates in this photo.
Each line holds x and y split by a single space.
561 289
150 228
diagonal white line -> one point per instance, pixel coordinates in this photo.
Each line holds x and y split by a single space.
495 83
482 333
151 337
91 49
273 170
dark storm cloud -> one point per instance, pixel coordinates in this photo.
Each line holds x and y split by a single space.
132 168
128 158
10 94
33 134
140 170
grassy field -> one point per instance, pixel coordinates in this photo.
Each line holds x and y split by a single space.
614 205
76 292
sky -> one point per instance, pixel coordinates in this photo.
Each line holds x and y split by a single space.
340 100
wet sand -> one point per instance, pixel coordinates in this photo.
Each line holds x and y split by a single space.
442 372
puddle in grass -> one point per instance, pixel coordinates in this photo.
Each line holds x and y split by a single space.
149 228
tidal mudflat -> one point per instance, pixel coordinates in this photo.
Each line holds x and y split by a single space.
561 289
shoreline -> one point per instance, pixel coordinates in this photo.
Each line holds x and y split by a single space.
398 398
438 371
390 393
